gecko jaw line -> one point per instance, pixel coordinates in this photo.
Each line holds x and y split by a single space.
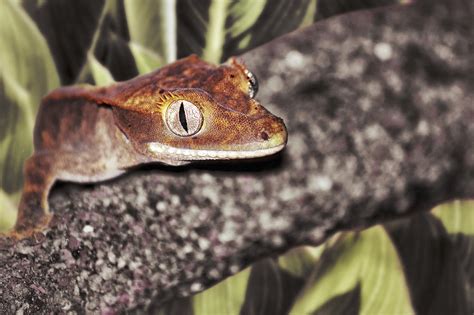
192 154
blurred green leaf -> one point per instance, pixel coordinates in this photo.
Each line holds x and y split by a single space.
368 260
27 72
310 15
217 29
145 59
7 212
213 29
300 261
15 145
226 297
27 61
101 74
69 28
215 34
97 27
114 53
270 289
439 267
152 28
457 217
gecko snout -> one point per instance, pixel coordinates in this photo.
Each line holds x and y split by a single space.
273 133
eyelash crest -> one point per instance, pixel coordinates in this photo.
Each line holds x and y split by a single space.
164 99
167 97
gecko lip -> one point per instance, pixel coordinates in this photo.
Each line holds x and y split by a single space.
191 154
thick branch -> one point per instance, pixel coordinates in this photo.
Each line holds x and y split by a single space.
379 108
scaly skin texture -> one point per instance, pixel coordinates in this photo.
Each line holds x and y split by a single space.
89 134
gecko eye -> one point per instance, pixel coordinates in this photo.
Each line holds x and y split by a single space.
253 83
183 118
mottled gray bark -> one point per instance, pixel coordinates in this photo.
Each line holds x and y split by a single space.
379 107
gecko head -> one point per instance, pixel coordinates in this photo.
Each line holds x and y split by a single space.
207 112
196 127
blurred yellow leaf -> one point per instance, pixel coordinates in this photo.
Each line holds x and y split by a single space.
365 262
226 297
457 216
300 261
152 27
145 59
7 212
27 73
101 74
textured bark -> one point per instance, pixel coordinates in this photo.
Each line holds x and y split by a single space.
379 107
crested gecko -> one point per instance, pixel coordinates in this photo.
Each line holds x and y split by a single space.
187 111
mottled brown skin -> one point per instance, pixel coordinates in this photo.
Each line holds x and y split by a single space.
89 134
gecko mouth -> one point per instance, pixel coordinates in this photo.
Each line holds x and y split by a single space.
192 154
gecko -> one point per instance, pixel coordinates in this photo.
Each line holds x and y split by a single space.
186 111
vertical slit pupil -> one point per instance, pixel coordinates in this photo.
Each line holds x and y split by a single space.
182 117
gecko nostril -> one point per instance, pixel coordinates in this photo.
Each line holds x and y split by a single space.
264 135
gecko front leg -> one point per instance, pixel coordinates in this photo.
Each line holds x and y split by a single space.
33 212
42 170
